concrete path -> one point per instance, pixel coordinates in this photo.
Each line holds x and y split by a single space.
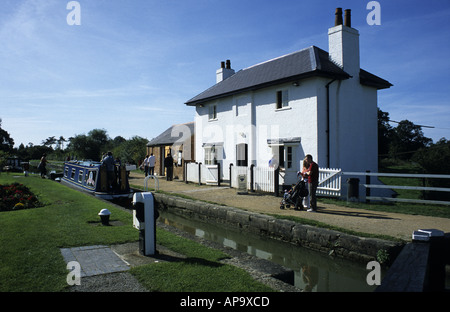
360 220
95 260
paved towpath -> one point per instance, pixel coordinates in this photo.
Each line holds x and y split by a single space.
360 220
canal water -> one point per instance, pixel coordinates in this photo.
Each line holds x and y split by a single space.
313 271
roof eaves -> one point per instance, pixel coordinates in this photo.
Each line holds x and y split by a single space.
371 80
314 73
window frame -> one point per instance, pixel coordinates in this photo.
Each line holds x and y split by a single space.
212 112
282 99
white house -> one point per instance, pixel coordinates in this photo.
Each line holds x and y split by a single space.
307 102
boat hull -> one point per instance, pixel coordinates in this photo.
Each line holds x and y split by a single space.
92 178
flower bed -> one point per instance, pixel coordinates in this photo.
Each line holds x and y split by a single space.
17 196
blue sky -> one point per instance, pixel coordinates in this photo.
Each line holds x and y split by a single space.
131 65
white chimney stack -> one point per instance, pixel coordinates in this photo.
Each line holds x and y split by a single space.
343 44
224 71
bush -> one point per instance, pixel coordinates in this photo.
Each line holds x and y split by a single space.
17 196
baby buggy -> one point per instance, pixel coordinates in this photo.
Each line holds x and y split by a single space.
295 195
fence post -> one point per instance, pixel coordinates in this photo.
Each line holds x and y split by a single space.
276 181
252 189
199 173
231 181
367 188
218 174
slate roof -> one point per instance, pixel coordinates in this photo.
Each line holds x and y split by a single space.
166 137
305 63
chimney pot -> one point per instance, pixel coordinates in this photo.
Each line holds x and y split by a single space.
338 17
228 64
222 64
347 18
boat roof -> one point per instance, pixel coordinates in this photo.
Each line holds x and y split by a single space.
86 163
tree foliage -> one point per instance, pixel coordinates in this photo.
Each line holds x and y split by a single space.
6 142
399 142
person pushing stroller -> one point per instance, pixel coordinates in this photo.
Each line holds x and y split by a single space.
298 195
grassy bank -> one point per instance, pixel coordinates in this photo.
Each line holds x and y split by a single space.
30 242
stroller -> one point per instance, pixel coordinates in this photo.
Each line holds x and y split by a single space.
295 195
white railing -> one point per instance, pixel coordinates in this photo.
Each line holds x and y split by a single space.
393 187
329 182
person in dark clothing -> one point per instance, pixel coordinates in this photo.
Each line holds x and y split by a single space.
313 182
108 161
43 166
168 163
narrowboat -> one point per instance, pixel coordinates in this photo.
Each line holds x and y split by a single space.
92 177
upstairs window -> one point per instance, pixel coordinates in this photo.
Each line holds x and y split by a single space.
282 99
212 112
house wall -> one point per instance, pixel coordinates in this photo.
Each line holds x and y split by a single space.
353 126
253 118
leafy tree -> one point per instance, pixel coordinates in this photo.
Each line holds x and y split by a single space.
406 139
60 142
131 151
384 132
49 141
6 142
434 160
90 146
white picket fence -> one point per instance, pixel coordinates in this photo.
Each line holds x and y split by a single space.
263 178
329 182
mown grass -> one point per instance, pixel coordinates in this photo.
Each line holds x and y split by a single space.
30 242
30 259
200 271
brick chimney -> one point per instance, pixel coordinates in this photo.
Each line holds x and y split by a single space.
224 71
343 43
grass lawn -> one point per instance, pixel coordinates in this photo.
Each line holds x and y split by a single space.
30 242
201 271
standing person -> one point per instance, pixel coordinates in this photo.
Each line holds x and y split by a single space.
145 163
151 164
168 163
305 166
43 166
109 162
313 182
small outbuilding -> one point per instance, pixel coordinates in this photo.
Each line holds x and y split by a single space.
177 140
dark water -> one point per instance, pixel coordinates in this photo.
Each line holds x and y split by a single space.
313 271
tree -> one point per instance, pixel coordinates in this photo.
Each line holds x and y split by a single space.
384 132
434 160
6 142
49 141
406 139
131 151
90 146
60 142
